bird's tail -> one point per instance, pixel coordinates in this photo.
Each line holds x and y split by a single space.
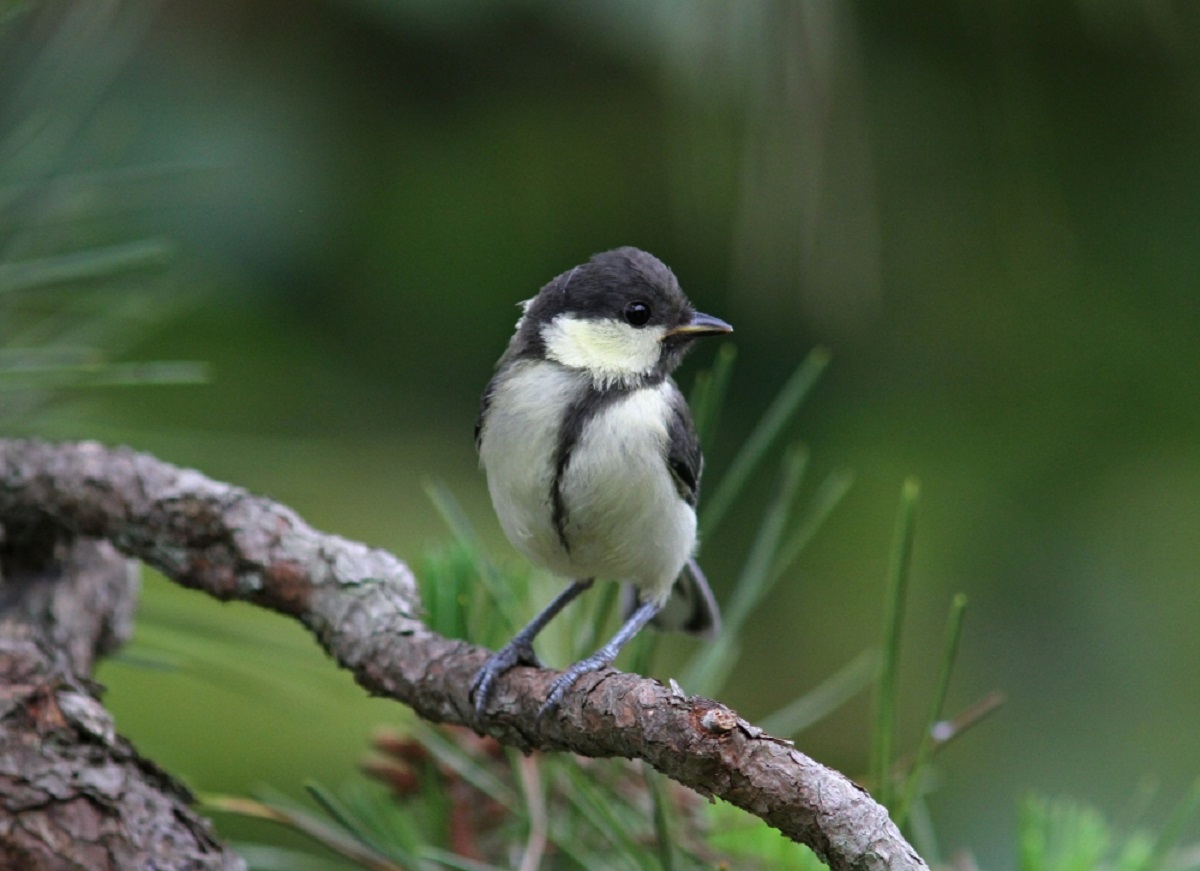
689 608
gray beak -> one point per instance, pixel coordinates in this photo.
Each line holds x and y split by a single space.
702 325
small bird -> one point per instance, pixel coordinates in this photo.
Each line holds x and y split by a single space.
591 455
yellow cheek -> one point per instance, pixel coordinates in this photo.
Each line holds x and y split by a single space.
610 350
604 349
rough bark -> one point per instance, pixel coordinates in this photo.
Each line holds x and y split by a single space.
363 607
73 794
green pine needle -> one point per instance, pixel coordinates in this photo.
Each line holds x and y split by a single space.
92 264
608 817
466 766
928 739
765 433
343 816
828 496
662 819
51 377
503 603
708 395
825 698
708 670
894 602
1169 838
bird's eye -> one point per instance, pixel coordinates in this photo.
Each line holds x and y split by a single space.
637 314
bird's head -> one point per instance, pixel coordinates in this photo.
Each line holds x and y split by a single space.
621 317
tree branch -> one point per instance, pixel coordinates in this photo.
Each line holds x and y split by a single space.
74 794
363 607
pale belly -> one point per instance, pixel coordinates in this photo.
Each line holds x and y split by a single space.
624 518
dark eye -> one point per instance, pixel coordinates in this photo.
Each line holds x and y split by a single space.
637 314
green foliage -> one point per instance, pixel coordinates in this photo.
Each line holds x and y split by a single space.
748 844
782 532
894 602
752 452
1065 835
454 569
929 737
825 697
74 294
900 784
1061 836
455 798
52 346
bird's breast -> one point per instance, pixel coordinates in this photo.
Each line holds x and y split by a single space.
625 516
517 449
618 513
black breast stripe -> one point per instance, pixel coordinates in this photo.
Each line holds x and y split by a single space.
590 403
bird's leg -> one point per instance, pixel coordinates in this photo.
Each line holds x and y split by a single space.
520 649
637 621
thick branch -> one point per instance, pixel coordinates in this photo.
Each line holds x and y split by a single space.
362 605
74 794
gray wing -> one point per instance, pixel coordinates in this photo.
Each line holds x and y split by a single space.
691 606
485 402
684 457
520 346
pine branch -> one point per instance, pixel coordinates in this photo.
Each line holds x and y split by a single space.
363 607
73 793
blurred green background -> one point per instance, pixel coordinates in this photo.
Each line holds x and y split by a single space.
990 213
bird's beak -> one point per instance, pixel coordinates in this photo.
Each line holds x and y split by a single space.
702 325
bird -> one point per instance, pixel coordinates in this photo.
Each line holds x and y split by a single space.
591 454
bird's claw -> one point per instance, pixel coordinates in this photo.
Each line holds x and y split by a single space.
516 652
566 680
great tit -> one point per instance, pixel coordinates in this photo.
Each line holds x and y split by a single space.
591 455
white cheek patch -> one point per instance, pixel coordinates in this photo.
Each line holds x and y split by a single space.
612 352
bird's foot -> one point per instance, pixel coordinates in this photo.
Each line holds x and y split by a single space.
516 652
562 683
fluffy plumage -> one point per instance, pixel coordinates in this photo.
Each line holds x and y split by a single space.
591 457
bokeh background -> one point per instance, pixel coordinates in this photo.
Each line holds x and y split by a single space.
989 213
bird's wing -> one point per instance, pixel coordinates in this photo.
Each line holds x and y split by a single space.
684 458
484 402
